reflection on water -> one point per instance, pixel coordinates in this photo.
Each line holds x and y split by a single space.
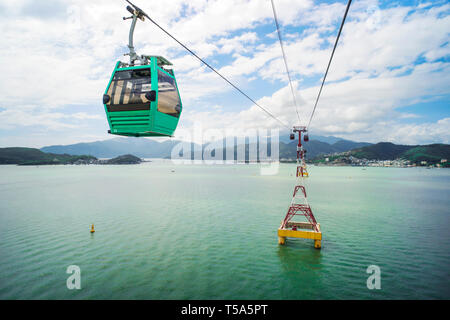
297 253
301 270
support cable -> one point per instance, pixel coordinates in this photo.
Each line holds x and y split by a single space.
285 60
210 67
329 62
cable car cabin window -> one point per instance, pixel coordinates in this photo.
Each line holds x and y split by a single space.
168 98
127 90
169 71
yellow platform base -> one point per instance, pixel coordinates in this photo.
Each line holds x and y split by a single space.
303 234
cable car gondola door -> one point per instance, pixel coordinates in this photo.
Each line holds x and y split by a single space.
128 101
129 90
168 102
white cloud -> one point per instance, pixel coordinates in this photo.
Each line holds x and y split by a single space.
424 133
356 108
49 63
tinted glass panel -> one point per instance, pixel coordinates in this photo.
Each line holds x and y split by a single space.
127 90
168 98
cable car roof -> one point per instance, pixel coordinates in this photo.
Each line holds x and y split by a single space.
160 60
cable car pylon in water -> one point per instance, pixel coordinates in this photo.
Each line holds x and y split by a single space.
299 207
142 98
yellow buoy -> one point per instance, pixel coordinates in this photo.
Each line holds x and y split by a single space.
92 228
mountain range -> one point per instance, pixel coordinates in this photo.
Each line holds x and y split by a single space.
35 157
31 156
317 150
432 153
146 148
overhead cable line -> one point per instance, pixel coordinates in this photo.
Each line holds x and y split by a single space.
210 67
284 58
329 62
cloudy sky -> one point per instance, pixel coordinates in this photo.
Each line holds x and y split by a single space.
389 81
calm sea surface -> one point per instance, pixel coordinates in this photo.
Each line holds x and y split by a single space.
209 232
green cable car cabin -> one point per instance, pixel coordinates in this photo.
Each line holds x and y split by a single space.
142 99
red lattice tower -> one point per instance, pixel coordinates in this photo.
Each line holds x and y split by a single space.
299 204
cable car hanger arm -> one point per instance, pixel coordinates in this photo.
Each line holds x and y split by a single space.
206 64
136 14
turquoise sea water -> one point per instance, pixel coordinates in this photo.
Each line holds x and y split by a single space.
209 232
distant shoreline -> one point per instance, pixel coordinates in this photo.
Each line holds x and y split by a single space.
34 157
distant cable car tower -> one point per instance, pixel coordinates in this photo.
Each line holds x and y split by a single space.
299 206
309 229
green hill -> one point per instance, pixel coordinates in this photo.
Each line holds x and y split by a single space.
381 151
432 153
31 156
125 159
